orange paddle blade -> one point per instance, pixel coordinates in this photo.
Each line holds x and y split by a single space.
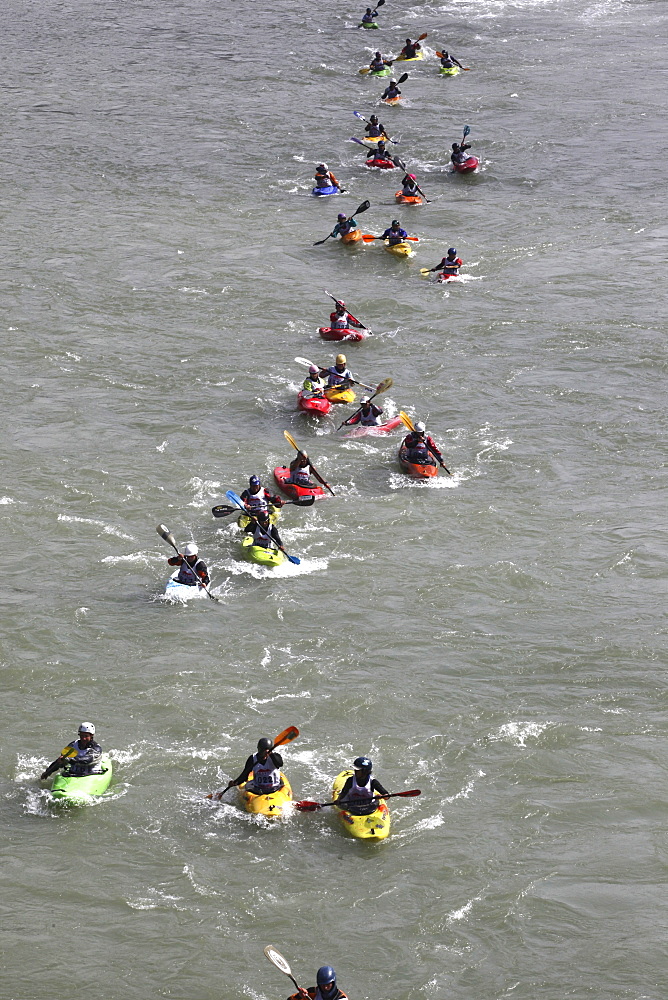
287 736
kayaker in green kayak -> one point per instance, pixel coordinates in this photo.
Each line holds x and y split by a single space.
80 757
265 534
369 16
193 569
378 63
314 383
360 788
344 225
326 988
266 766
301 471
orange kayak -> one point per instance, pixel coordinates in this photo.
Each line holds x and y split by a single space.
391 100
354 236
408 199
416 469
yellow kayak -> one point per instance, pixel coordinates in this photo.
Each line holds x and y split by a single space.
337 395
400 249
244 520
374 140
416 58
271 805
374 826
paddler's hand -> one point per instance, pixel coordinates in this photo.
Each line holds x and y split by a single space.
43 776
301 992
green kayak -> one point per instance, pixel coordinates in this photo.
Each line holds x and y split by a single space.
449 70
367 24
76 789
260 555
381 72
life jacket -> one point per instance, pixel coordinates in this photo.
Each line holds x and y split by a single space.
410 51
266 776
337 377
300 476
338 322
325 180
256 501
452 266
377 65
447 63
262 536
76 765
359 797
188 574
372 418
409 189
373 131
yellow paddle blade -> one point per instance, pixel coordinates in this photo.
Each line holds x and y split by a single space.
68 752
365 69
425 270
406 420
288 437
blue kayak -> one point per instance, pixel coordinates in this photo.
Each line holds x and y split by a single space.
320 192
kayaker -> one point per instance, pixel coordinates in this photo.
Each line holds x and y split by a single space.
257 497
360 788
369 16
410 49
324 177
409 186
86 758
266 766
373 128
326 988
458 154
395 234
339 374
344 225
193 569
391 91
265 534
341 319
301 470
368 415
449 265
378 64
379 153
314 382
421 446
448 61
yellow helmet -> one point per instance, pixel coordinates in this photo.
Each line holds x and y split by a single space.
340 359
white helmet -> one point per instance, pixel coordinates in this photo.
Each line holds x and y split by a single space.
190 549
365 399
420 427
87 727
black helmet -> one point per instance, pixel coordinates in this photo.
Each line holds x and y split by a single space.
362 764
374 119
265 743
395 222
455 145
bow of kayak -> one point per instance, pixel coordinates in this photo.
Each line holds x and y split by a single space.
399 249
416 58
273 805
322 192
76 790
295 492
468 166
380 164
353 336
354 236
449 70
182 591
391 100
418 470
373 826
309 403
259 554
336 395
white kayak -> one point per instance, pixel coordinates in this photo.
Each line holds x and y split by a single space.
181 591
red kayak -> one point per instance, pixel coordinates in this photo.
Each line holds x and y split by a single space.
313 404
281 473
381 164
357 430
468 166
416 469
328 333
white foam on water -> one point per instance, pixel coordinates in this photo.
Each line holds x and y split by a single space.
161 447
108 529
156 899
285 570
462 912
465 792
204 491
202 890
518 733
278 697
6 500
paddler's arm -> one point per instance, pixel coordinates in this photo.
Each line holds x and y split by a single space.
53 766
377 788
248 767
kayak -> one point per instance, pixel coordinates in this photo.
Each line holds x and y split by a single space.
259 554
381 164
446 277
244 520
354 236
353 336
449 70
416 469
391 100
357 430
323 191
272 805
416 58
313 404
75 790
182 591
408 199
367 24
374 138
281 474
469 164
380 72
374 826
399 249
337 395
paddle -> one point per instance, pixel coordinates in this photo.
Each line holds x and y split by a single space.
466 69
307 806
222 510
165 533
406 420
366 120
400 163
354 381
287 736
467 129
231 495
356 322
368 238
361 208
288 437
383 386
275 957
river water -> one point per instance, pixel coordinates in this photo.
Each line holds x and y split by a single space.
496 639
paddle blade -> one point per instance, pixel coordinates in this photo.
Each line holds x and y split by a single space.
422 37
304 361
275 957
358 115
288 437
467 129
399 163
306 806
236 500
222 510
403 78
368 238
287 736
409 794
425 270
383 386
165 533
362 208
295 560
364 70
406 420
359 142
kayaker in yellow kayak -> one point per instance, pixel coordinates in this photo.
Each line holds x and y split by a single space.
360 788
266 766
395 234
410 49
314 383
448 61
374 129
344 225
301 471
265 534
338 374
193 569
326 988
257 498
81 756
390 92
